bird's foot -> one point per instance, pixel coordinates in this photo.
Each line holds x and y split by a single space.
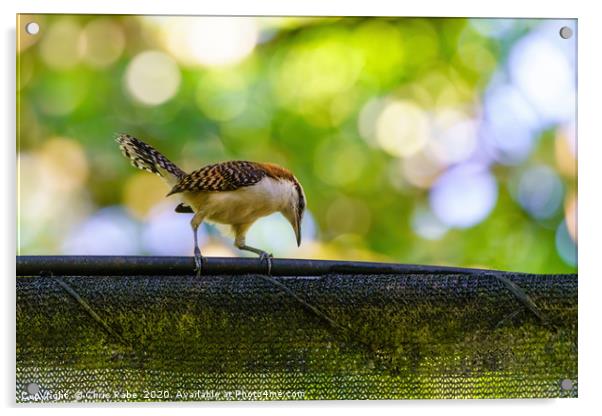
267 257
198 262
263 256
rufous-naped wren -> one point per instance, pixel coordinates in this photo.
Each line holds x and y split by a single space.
235 192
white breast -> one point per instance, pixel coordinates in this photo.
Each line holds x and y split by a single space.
243 205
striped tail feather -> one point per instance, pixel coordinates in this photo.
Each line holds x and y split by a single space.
146 157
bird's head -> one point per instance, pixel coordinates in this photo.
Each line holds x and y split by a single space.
294 208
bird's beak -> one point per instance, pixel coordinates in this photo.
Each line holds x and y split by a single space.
297 228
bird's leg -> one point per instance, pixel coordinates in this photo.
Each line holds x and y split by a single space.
198 258
239 242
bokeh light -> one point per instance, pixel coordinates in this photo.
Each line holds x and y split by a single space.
566 151
476 56
109 231
536 76
59 46
42 198
493 27
565 245
152 78
464 196
570 215
510 124
366 121
56 175
66 163
402 128
210 41
142 192
455 137
275 234
540 191
421 169
102 42
427 225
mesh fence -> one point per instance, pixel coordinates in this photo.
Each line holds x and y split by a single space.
332 336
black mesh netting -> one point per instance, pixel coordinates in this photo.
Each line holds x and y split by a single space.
381 336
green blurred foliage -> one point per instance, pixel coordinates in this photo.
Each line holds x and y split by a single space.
297 99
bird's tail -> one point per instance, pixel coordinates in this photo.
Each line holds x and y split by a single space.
148 158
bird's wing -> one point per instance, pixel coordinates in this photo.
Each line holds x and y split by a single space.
225 176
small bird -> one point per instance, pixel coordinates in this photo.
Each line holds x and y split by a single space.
234 192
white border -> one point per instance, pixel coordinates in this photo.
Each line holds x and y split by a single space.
590 207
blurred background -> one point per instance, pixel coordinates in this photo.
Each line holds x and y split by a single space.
431 141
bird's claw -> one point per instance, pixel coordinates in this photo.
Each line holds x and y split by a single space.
267 257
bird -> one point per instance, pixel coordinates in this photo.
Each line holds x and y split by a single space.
235 192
